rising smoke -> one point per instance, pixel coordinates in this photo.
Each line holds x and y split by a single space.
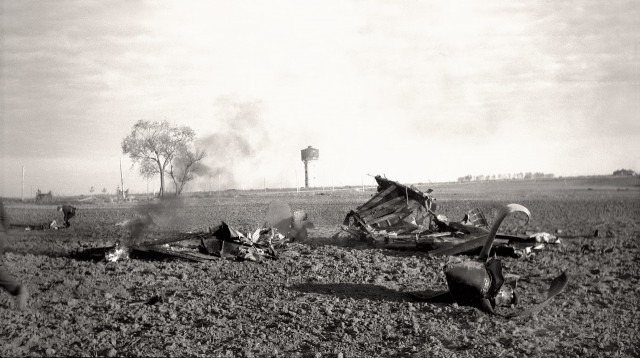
238 139
161 215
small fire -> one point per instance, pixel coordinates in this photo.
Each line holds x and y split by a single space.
117 254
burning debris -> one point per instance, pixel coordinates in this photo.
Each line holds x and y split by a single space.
117 253
280 228
401 217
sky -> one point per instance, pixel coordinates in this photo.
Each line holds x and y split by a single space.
419 91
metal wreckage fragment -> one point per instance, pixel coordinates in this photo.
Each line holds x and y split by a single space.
404 217
401 217
480 283
280 228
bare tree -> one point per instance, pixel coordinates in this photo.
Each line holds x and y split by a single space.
154 145
186 166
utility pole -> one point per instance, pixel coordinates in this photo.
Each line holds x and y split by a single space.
121 179
218 184
22 195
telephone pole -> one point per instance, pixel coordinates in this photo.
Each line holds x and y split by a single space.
121 180
22 195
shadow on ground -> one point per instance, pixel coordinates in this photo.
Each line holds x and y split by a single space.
353 290
42 251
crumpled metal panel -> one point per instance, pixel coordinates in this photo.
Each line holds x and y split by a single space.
402 217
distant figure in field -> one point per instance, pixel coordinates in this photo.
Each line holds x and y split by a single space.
69 212
15 288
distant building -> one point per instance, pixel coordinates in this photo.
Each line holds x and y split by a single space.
44 197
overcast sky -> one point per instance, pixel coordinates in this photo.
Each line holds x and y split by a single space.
417 90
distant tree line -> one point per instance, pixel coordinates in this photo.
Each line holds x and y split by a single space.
509 176
624 172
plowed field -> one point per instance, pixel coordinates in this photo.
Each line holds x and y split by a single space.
326 297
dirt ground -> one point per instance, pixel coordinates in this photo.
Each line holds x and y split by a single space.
326 297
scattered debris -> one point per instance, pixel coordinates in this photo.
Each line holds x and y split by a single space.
480 283
227 242
53 225
280 228
401 217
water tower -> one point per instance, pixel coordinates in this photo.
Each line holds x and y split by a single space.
309 157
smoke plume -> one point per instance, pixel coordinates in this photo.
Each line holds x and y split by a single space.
160 214
238 139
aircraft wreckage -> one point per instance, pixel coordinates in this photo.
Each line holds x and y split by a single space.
404 217
397 216
401 217
222 241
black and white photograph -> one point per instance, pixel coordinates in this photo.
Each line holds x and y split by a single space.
306 178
